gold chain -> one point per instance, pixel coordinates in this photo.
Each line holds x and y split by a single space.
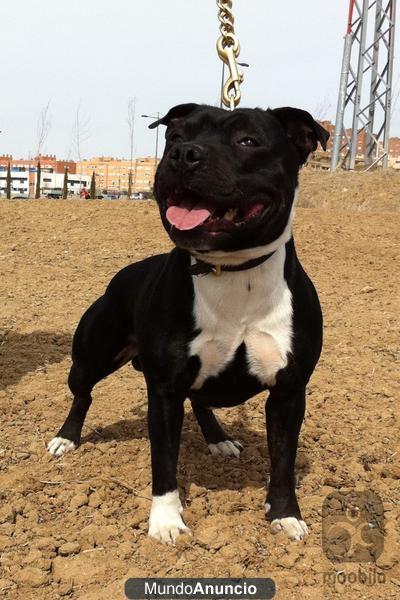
225 17
228 49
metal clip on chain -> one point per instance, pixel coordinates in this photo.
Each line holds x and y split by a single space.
228 49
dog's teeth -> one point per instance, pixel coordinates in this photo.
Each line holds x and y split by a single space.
230 214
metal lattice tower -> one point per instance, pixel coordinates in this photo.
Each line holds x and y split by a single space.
367 58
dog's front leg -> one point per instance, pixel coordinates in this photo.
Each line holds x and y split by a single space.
165 416
285 413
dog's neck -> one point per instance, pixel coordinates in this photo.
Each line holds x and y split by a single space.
200 267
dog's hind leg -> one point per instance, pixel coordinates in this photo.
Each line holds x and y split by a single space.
102 343
219 443
69 435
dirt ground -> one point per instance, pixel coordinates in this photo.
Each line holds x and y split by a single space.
77 526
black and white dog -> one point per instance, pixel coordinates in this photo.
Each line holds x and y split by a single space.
228 313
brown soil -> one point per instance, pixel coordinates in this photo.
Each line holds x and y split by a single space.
372 191
76 526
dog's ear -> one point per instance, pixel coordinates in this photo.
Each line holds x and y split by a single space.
177 112
302 130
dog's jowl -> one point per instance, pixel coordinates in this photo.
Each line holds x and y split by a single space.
228 313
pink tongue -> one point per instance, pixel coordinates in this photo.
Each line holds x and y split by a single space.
185 218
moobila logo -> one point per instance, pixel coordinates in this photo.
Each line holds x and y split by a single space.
352 526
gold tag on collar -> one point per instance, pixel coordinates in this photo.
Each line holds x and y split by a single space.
216 270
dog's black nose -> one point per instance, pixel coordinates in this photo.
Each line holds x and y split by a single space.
187 156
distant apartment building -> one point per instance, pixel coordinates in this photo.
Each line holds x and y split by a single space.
112 174
330 127
394 145
24 184
23 172
48 163
75 183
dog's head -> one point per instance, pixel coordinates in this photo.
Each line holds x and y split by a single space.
227 180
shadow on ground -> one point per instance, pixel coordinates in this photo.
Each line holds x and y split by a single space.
196 465
24 353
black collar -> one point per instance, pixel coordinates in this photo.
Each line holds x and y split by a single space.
204 268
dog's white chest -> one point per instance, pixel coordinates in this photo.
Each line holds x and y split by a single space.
254 307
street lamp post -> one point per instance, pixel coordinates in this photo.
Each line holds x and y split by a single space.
156 118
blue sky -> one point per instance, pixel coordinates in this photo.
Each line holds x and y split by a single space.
98 54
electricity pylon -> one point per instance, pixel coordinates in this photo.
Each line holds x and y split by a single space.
367 58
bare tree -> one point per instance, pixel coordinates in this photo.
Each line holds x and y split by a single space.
8 182
65 184
38 180
322 109
43 127
131 125
81 133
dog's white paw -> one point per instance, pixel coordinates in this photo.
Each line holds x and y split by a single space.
165 523
226 448
294 528
58 446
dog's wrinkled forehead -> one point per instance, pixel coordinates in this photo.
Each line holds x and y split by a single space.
250 121
295 125
194 118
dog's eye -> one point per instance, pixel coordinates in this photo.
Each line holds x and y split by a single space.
175 138
248 141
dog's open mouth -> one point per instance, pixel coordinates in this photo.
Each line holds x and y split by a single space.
188 214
